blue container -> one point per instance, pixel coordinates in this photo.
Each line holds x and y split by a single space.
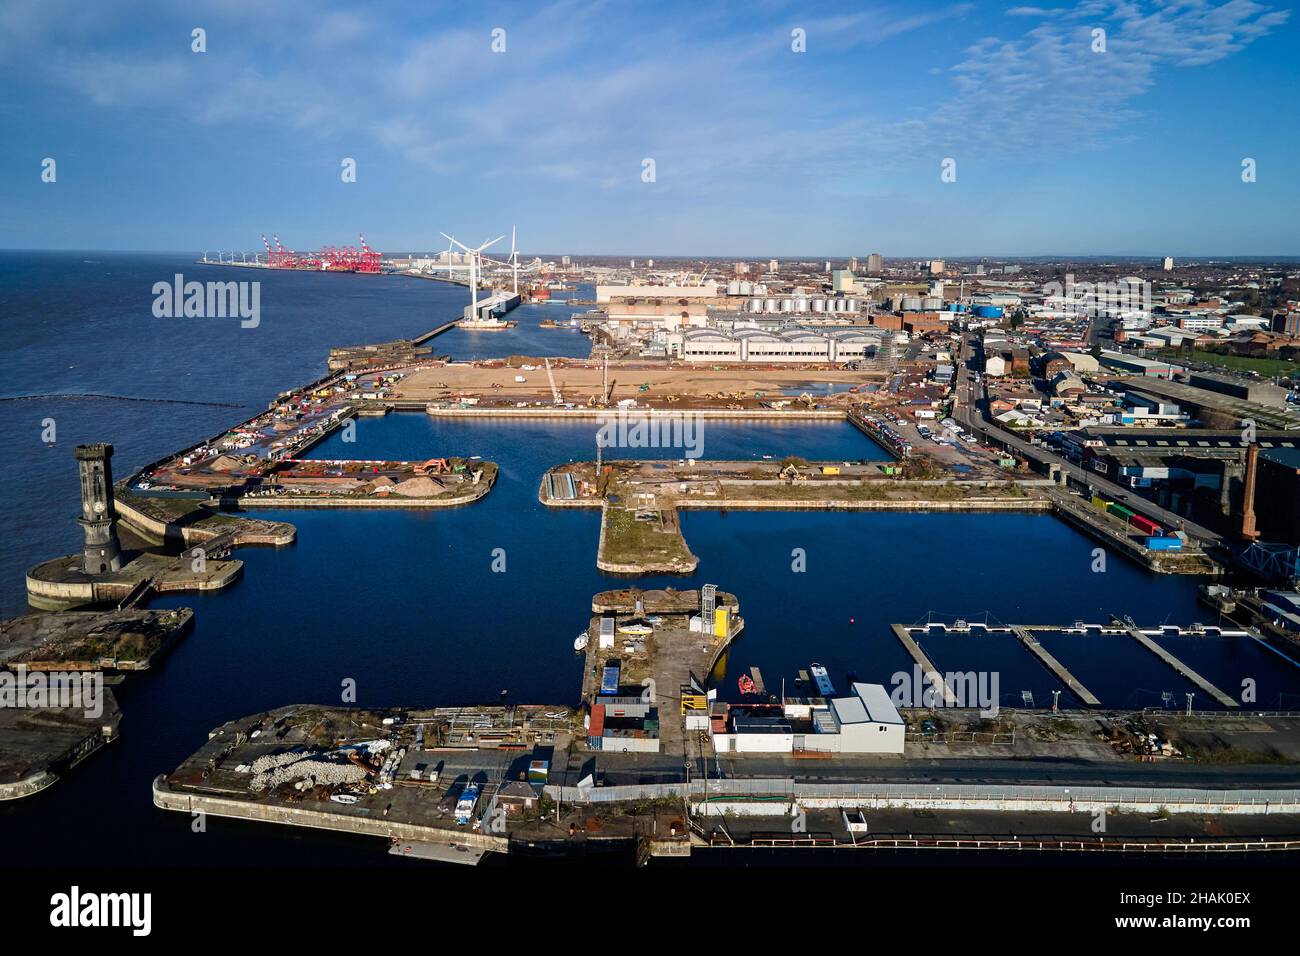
1164 544
989 311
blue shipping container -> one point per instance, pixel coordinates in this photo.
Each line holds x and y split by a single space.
609 680
1164 544
988 311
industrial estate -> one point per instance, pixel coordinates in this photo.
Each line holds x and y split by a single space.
1153 406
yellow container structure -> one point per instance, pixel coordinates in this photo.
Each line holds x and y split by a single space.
721 620
830 469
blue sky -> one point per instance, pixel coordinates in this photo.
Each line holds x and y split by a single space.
759 151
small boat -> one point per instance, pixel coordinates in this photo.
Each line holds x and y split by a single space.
465 805
822 680
344 798
747 685
637 628
580 642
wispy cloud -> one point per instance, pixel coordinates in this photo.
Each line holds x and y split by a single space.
585 91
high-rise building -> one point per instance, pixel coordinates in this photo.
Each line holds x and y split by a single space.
853 264
772 266
936 267
1169 263
875 263
98 518
564 261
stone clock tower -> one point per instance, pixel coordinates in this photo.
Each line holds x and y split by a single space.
98 518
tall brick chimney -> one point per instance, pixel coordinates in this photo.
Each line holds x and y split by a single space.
1248 529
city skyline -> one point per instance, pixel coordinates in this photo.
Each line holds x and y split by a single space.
1060 148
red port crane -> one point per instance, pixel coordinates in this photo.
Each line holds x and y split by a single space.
328 259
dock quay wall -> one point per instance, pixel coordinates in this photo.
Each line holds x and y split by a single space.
777 796
60 595
184 802
767 414
290 501
26 787
849 504
137 517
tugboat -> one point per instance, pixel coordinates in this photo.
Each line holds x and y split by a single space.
747 685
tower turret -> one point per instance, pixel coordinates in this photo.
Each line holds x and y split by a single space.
98 517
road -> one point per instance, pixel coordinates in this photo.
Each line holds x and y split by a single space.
971 410
632 769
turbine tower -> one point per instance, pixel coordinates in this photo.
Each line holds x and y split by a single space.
474 255
514 264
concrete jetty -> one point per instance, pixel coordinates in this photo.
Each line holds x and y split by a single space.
1056 667
927 667
1181 668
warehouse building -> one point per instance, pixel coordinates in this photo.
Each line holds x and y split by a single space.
1136 365
791 345
865 722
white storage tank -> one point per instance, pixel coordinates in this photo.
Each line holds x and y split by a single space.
787 305
733 287
771 305
801 304
819 305
745 288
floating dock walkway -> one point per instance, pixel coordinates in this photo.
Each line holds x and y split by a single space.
1056 667
927 667
1181 668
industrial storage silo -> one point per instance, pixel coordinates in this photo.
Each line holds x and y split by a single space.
771 305
801 304
787 305
733 287
745 288
755 305
819 305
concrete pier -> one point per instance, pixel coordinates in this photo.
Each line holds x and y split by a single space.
927 667
1181 668
1056 667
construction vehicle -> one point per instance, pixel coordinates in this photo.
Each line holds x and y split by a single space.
439 466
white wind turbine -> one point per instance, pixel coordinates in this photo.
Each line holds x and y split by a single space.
474 255
514 264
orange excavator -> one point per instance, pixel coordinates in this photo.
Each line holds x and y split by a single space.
438 466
